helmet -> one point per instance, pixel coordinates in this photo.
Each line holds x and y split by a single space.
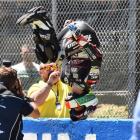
89 101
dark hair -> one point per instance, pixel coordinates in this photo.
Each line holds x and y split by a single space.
8 76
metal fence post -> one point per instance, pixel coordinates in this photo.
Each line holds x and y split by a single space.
54 14
132 57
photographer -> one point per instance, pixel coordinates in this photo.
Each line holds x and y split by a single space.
13 106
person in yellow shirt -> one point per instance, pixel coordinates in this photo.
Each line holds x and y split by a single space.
50 93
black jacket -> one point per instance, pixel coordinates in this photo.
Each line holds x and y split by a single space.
12 107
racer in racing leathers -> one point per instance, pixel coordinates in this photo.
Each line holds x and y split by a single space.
78 47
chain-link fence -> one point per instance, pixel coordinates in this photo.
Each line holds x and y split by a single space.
116 23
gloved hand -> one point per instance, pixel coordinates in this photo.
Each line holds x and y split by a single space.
74 30
81 40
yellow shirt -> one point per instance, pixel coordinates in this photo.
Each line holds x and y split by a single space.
48 108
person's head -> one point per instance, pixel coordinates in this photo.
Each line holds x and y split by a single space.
27 53
8 76
46 69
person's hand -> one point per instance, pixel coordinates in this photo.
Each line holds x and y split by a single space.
74 30
18 87
54 76
81 40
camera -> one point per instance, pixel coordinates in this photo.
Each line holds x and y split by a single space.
6 62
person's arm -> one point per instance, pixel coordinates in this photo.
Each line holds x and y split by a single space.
35 113
29 108
41 95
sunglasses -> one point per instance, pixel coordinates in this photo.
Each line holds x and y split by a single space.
54 67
